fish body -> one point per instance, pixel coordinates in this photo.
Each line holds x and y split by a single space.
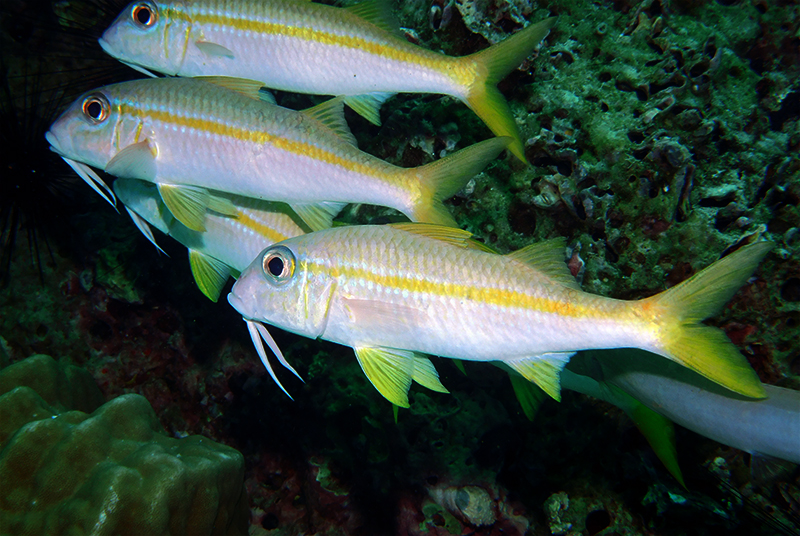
227 246
293 45
191 136
390 290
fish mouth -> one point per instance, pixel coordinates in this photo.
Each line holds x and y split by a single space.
106 47
52 139
237 303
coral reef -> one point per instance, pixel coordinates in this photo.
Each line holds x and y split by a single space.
112 471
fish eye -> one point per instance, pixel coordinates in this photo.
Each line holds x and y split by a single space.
278 264
144 14
96 108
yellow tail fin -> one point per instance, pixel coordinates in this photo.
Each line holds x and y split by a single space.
494 64
705 349
443 178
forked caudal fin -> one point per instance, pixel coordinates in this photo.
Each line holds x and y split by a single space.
443 178
494 64
706 349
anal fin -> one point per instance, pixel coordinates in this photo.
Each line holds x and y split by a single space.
368 105
543 370
318 216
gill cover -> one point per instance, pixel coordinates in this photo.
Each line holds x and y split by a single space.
148 35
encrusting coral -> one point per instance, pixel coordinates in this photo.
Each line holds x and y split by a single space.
112 471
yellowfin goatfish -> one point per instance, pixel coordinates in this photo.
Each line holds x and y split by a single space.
192 136
391 292
295 45
225 248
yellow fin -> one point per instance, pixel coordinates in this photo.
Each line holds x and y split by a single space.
705 349
543 370
318 216
209 273
657 429
547 257
451 235
443 178
249 88
389 370
459 364
496 62
528 394
379 13
188 204
368 105
425 374
330 114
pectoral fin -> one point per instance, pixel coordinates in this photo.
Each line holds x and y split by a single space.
189 204
377 316
543 370
214 50
209 274
136 161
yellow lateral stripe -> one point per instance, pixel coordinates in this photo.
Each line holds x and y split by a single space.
310 34
260 228
487 296
458 71
252 136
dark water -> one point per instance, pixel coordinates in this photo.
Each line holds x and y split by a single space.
661 134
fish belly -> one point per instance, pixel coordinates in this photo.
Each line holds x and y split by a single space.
474 331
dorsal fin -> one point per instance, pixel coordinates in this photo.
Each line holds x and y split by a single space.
249 88
379 13
547 257
331 115
450 235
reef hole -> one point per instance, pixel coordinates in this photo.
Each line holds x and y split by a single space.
597 521
790 291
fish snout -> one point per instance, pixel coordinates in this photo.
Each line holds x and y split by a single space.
238 304
106 45
55 145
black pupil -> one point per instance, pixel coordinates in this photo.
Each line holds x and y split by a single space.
94 109
275 266
142 14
